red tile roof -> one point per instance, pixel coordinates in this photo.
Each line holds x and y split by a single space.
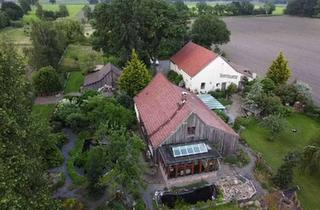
158 108
192 58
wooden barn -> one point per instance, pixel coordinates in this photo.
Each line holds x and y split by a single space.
103 78
184 136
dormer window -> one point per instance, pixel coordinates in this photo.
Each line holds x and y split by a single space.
191 130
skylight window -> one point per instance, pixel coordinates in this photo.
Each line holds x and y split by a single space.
192 149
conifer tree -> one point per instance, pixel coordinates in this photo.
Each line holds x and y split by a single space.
135 76
279 70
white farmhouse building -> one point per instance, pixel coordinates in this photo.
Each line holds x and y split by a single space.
203 70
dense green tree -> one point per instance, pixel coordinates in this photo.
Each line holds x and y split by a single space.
87 12
205 9
71 29
135 76
46 80
208 30
269 7
268 86
310 157
284 176
279 70
22 182
232 88
4 19
48 45
25 6
39 11
96 166
52 1
152 27
317 9
240 8
63 11
275 124
12 9
124 161
302 7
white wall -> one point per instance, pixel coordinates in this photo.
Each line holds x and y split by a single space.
186 78
216 72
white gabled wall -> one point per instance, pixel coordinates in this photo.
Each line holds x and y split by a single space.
186 78
216 72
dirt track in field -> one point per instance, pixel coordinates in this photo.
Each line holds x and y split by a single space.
256 41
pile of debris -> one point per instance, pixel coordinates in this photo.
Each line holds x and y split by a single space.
236 188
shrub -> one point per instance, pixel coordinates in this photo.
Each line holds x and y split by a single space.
125 100
46 80
241 121
72 204
240 159
60 139
63 11
218 94
77 121
232 88
4 19
63 110
275 124
174 77
222 115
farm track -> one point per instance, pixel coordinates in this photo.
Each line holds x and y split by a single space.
256 41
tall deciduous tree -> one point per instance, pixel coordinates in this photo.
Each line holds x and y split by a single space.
125 165
46 80
208 30
25 6
279 70
152 27
22 182
48 45
12 9
135 76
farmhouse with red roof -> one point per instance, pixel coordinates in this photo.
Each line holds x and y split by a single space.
203 70
184 137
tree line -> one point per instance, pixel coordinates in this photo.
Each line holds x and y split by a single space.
307 8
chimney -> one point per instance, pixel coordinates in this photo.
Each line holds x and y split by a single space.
183 99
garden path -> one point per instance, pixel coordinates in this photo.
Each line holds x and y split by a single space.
234 110
41 100
65 191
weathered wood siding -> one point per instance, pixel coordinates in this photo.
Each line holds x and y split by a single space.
109 79
226 143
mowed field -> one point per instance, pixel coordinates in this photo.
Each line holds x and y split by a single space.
256 41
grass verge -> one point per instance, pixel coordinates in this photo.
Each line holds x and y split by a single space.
77 179
74 82
43 112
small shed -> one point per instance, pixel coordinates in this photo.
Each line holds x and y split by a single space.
211 102
103 77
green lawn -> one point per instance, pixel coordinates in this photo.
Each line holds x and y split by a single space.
279 10
74 82
81 58
43 112
273 152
